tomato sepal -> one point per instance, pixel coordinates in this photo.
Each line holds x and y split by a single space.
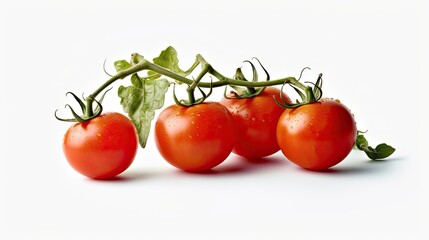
308 95
87 113
246 92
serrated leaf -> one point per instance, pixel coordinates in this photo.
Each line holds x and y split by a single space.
381 151
140 100
121 65
168 59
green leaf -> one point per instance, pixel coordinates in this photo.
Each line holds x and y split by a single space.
361 142
121 65
384 150
168 59
381 151
140 100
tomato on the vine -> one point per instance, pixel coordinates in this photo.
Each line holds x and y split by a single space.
195 138
102 147
318 135
256 121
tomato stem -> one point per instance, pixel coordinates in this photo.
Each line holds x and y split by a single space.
139 63
143 64
191 88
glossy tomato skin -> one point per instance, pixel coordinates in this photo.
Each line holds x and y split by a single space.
317 136
195 138
103 147
256 122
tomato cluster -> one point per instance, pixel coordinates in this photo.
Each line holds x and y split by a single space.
256 121
315 136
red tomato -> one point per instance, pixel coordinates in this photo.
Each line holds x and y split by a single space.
317 136
195 138
256 121
102 147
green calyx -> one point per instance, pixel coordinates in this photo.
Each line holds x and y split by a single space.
308 93
87 112
191 89
246 92
191 96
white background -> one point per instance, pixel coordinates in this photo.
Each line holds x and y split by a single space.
374 58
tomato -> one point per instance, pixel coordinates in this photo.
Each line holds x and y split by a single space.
256 122
195 138
318 135
102 147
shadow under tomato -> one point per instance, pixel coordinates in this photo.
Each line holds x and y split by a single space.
127 177
113 179
363 167
236 165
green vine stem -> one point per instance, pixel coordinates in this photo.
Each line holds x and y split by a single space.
206 68
139 63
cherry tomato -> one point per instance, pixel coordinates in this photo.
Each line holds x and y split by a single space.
195 138
256 122
318 135
102 147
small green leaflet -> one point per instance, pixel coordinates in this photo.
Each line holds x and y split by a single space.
168 59
121 65
381 151
141 99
